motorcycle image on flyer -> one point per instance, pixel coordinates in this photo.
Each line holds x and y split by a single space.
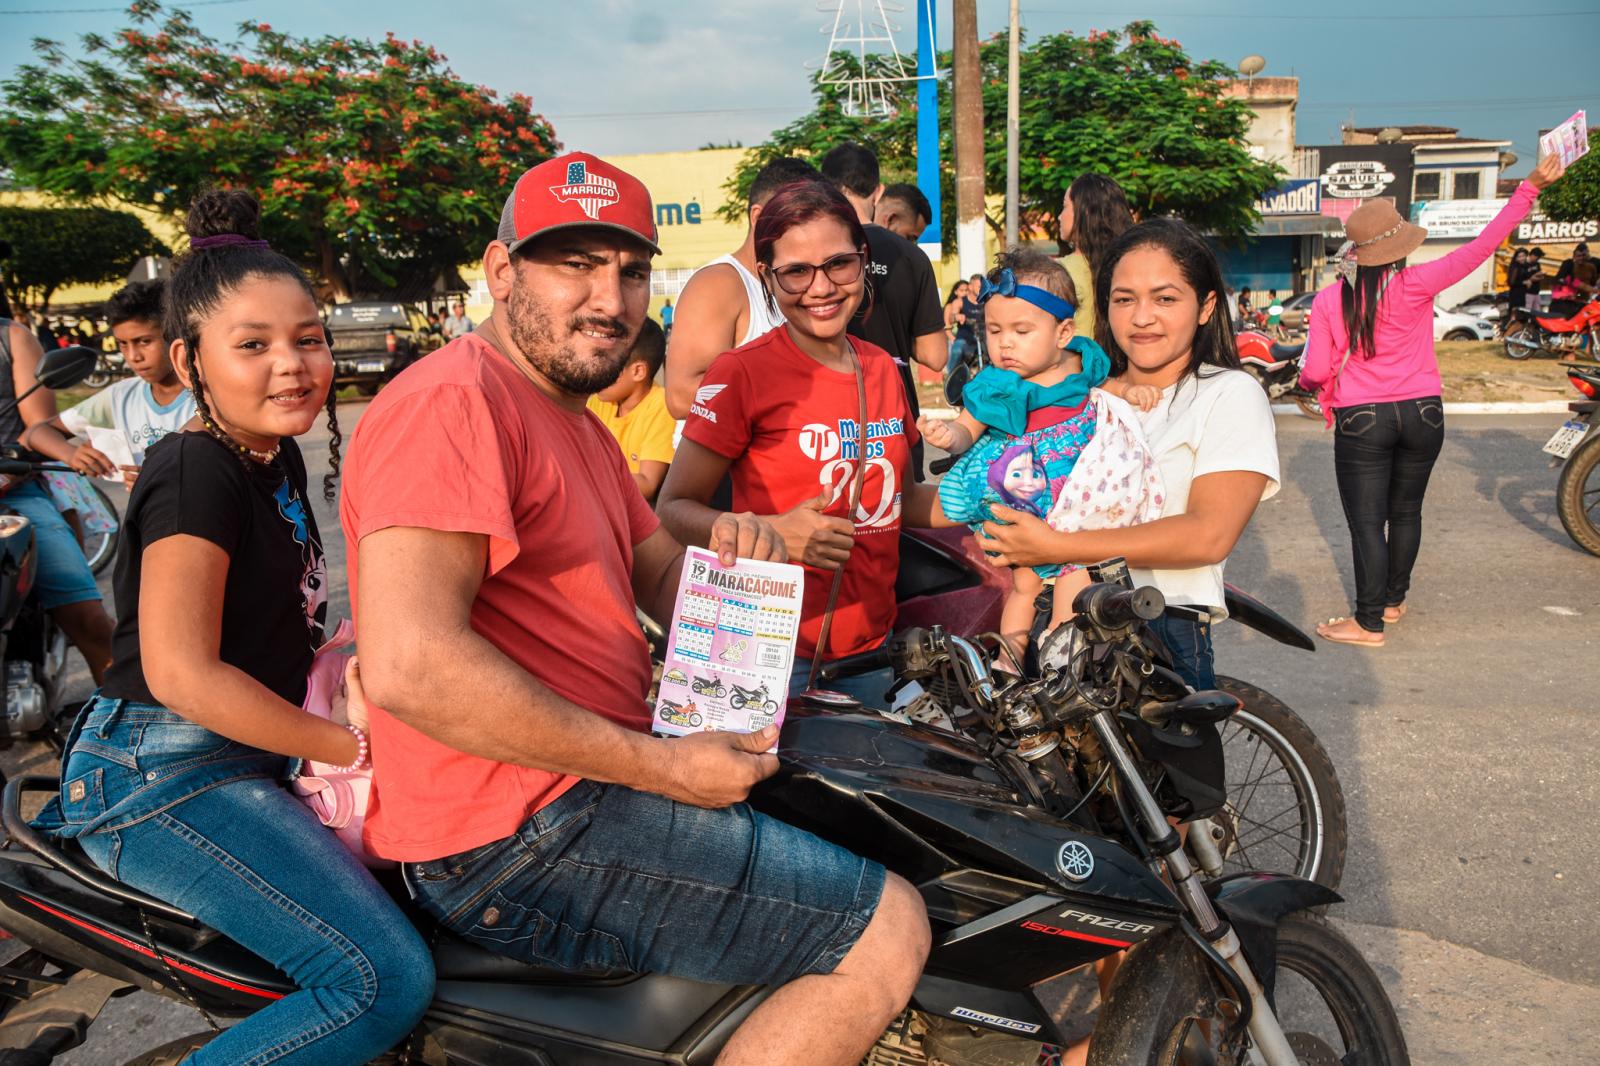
1576 446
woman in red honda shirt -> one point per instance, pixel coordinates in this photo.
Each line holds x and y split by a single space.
779 416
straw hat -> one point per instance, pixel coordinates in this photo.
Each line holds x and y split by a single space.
1380 235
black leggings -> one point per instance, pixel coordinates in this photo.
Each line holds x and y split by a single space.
1382 456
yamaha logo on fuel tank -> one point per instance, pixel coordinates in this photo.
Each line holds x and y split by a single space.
1075 861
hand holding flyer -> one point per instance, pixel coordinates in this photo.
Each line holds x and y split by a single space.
1569 141
731 647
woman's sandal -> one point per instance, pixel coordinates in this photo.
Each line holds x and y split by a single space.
1393 614
1360 642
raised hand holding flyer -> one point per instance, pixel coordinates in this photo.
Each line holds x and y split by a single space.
1569 141
730 650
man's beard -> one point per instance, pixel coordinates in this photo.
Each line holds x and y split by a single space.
535 337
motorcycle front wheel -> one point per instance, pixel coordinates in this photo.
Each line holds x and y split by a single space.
99 548
1308 404
1521 341
1286 809
1330 1004
1578 496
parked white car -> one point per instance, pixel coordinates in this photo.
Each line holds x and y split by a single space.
1454 326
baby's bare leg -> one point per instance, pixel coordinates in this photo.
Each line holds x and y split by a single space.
1068 584
1016 617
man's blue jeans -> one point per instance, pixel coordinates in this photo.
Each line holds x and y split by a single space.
197 820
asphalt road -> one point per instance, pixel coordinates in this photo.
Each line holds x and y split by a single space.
1465 745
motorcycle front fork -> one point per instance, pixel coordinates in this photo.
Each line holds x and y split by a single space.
1270 1047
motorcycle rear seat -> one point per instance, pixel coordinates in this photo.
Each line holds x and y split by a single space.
1280 352
455 959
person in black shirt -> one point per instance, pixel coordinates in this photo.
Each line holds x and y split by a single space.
903 210
171 779
903 315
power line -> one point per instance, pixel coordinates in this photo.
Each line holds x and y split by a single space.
675 114
1521 16
111 10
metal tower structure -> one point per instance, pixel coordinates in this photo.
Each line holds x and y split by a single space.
864 29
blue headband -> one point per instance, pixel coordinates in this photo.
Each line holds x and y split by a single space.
1043 299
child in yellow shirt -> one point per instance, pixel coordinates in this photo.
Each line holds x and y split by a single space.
634 409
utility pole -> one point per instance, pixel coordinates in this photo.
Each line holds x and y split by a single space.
1013 106
968 114
928 171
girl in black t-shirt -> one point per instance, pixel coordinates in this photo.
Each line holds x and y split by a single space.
171 780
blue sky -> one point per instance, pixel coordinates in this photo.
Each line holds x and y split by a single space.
645 75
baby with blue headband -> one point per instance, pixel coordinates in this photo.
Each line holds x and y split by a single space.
1028 417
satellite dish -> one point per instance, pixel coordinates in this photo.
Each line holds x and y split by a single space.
1389 135
1250 66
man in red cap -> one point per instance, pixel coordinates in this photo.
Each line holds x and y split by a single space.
497 549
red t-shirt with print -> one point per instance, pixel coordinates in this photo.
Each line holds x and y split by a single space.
462 442
789 425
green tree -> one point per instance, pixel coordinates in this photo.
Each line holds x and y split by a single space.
1576 197
1131 105
376 166
56 246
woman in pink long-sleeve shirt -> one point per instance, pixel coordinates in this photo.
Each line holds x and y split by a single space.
1369 352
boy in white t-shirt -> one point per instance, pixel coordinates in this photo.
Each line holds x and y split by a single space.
143 408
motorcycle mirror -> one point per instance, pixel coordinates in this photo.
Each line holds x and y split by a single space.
62 368
956 383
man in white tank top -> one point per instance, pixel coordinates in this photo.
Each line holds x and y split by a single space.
724 305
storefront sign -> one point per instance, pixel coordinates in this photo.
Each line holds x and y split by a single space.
1455 219
1537 229
1300 196
1352 174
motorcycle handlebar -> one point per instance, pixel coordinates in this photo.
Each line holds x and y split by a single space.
1106 606
854 665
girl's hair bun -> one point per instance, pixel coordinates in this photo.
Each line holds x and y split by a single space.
224 211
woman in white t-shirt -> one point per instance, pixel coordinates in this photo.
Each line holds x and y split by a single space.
1161 294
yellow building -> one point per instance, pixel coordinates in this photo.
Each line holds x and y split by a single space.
166 228
687 190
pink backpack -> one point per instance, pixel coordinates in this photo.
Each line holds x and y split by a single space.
337 797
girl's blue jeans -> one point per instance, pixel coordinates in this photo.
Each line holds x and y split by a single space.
192 818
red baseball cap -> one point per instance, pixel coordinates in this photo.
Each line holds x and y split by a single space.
572 190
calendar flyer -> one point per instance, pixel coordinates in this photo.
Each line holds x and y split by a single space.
731 647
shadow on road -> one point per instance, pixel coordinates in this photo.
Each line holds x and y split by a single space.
1498 458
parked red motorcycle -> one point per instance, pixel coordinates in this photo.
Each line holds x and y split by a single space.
1563 337
1576 445
1277 367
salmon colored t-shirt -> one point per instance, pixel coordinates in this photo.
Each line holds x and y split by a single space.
463 442
789 425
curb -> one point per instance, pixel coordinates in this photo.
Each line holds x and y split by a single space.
1517 407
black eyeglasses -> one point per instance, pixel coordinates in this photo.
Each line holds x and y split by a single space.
796 278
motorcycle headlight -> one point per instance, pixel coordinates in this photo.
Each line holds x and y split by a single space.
11 525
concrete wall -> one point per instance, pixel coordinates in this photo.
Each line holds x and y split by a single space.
1272 102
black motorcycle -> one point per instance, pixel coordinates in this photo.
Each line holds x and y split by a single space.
32 648
755 698
1038 826
708 686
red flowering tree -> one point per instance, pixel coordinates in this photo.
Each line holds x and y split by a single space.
376 166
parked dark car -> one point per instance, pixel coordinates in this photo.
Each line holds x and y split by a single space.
373 340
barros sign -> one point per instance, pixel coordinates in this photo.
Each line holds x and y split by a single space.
1536 229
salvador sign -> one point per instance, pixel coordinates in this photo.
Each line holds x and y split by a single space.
1299 196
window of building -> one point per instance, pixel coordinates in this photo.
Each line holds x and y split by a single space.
669 281
1427 185
1466 185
